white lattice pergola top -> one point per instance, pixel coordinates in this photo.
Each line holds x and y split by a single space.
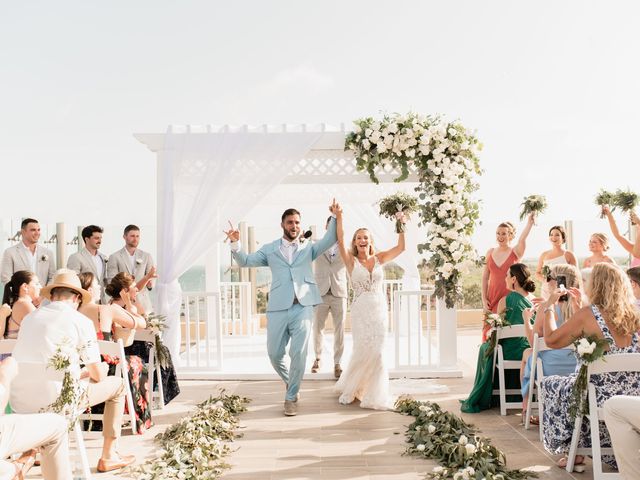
325 163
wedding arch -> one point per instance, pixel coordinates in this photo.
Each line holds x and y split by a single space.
207 174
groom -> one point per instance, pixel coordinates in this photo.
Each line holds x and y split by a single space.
292 297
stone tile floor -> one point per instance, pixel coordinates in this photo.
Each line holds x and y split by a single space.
334 442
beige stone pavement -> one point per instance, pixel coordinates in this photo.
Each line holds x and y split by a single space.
329 441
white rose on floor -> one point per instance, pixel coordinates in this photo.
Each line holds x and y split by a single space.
421 447
438 470
470 449
431 428
463 440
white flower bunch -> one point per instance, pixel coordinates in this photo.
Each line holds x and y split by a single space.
585 347
467 473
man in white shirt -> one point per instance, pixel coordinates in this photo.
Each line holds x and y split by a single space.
90 259
139 264
27 254
41 333
21 433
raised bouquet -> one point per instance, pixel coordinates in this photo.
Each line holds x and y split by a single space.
495 321
399 207
156 324
603 198
535 204
627 201
587 350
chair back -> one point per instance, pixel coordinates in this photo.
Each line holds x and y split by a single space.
7 345
145 335
616 362
510 331
113 349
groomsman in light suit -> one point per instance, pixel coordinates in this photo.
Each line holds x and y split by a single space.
331 277
132 260
28 255
292 296
89 259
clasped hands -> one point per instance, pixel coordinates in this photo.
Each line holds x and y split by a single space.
540 304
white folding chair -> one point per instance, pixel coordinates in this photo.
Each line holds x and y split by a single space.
619 362
536 374
7 345
153 368
511 331
116 349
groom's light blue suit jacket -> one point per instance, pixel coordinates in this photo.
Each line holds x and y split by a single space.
289 281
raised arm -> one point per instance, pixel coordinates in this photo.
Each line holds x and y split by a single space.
257 259
326 241
347 257
522 240
392 253
636 224
626 244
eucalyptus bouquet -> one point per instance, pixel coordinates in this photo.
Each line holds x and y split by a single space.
626 200
603 198
399 207
156 324
535 204
587 350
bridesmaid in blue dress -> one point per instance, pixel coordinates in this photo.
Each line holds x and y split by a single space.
612 315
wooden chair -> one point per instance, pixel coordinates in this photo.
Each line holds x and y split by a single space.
511 331
619 362
153 368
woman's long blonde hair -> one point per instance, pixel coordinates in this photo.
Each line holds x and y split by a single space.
354 248
574 280
610 290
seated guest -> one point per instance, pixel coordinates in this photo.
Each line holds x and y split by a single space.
554 362
28 254
41 332
520 284
622 416
634 277
90 259
19 295
107 319
612 316
598 244
24 433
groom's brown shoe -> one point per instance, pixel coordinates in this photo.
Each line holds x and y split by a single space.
337 370
316 366
290 408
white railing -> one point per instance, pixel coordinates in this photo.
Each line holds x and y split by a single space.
235 309
390 288
414 343
202 331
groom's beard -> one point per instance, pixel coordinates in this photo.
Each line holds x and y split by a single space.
291 236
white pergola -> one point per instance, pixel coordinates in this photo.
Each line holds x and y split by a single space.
206 174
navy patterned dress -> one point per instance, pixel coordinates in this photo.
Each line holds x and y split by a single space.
558 426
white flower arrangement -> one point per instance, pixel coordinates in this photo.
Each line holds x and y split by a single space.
445 157
587 350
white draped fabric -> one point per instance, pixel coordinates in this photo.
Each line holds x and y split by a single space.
205 178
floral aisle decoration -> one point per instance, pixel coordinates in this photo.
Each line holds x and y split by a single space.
398 207
495 321
73 394
535 204
156 324
444 156
462 454
587 350
195 447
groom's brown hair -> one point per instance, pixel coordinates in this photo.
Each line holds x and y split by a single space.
289 211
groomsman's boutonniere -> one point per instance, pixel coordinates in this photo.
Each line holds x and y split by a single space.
138 261
44 258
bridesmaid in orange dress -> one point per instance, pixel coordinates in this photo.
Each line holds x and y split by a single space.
499 259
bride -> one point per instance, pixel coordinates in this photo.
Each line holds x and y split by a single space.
366 378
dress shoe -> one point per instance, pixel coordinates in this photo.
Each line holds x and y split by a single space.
316 366
290 408
337 370
116 463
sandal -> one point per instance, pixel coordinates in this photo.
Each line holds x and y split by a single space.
534 420
578 466
24 464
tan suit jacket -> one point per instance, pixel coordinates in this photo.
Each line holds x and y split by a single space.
15 258
331 275
82 261
119 262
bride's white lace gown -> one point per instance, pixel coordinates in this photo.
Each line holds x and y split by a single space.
366 377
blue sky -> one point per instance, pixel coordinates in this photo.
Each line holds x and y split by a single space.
551 87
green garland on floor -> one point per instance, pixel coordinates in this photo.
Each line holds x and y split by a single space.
195 447
462 454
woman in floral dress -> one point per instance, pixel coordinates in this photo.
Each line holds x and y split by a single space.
613 316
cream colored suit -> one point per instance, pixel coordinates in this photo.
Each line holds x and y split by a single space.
82 261
16 258
120 262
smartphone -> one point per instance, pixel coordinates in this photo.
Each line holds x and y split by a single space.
562 280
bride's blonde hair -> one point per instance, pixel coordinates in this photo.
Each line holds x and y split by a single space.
354 248
610 290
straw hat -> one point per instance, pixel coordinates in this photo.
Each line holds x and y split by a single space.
67 279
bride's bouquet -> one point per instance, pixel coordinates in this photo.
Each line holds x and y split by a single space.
398 207
535 204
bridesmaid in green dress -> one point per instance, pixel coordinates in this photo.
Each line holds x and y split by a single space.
520 284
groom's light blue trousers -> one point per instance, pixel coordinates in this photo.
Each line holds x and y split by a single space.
293 324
